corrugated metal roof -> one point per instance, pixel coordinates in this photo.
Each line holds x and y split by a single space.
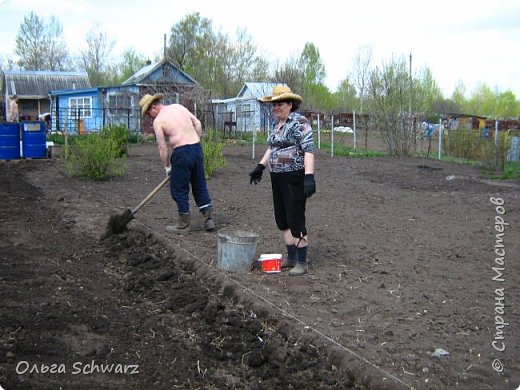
257 89
140 74
38 84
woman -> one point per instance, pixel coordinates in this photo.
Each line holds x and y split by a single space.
291 162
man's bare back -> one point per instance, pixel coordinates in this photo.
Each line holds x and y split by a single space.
177 125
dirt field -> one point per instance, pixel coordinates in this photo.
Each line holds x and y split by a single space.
401 254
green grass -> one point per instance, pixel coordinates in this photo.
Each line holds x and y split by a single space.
511 170
347 151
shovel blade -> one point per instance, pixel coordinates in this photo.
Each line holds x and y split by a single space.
118 223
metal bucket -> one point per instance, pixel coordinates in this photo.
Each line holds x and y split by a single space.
9 141
236 250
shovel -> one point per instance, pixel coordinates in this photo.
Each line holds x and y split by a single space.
117 223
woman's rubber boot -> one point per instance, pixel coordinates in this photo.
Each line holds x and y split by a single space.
209 224
183 224
299 269
301 266
290 261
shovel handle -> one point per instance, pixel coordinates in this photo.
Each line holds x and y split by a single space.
161 185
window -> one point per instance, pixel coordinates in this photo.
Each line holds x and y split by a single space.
244 110
81 107
119 104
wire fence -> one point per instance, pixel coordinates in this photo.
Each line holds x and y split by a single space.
89 120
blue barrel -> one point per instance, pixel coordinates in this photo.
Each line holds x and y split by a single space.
9 141
34 139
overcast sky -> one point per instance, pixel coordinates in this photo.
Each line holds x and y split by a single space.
472 42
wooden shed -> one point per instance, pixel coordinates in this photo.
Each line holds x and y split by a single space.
33 87
245 112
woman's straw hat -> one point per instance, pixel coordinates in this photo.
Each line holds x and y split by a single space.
281 92
147 100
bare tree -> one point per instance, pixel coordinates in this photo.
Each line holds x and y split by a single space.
95 57
56 54
290 72
389 105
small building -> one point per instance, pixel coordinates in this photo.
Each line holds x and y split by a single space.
32 88
245 112
465 122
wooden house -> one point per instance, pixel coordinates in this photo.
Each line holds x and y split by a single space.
33 87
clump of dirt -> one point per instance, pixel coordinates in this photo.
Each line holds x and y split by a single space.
227 343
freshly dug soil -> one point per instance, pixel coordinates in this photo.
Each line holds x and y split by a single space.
401 255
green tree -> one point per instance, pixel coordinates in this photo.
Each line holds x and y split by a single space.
313 72
131 61
507 105
482 101
216 61
425 95
459 97
196 49
345 97
40 46
188 38
318 98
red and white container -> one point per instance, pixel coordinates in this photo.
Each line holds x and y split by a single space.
271 262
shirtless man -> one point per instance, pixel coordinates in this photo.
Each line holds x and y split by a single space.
13 109
176 126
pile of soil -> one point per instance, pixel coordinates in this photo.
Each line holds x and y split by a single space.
401 255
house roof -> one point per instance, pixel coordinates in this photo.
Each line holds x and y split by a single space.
257 89
82 91
162 71
31 84
234 100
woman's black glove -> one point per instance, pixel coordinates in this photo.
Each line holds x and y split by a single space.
256 175
309 185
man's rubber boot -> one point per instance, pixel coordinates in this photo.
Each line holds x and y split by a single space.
299 269
209 224
183 224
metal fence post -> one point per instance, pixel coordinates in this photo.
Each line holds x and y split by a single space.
440 138
497 147
332 135
354 129
319 133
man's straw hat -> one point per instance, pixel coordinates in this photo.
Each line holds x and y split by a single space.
147 100
281 92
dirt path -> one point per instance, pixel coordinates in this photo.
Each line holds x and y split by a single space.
401 254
